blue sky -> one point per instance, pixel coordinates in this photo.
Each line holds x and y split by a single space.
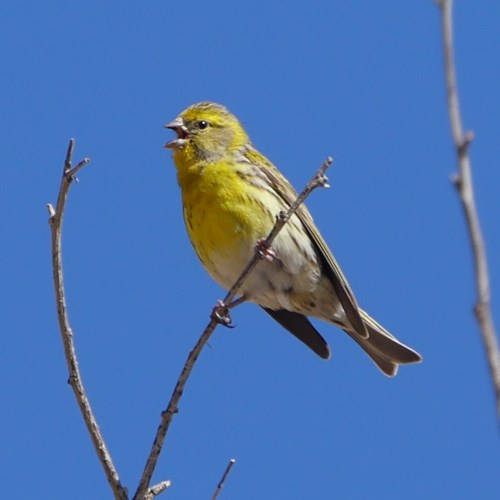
360 81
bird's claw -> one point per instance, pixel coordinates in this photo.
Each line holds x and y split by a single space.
220 314
264 250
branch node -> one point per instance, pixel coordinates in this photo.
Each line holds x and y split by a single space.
465 142
456 180
320 179
282 216
70 173
171 411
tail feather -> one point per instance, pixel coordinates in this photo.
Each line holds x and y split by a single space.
383 348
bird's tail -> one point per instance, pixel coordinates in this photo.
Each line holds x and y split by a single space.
384 349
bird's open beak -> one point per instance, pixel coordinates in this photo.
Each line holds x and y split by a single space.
180 129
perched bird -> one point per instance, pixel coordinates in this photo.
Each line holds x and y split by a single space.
231 195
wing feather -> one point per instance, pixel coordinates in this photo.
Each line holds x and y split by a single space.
301 327
330 266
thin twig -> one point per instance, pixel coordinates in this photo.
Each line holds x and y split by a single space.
223 479
75 380
319 180
465 189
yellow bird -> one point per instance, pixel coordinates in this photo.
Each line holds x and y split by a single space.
231 195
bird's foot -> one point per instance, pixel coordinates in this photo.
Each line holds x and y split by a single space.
264 250
220 314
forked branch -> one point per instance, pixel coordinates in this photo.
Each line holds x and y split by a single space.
75 379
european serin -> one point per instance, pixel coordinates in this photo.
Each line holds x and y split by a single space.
231 195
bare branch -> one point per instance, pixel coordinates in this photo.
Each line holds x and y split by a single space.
319 180
75 380
223 479
465 189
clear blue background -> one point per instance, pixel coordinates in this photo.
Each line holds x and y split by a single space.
362 81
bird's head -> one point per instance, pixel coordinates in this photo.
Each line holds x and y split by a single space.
206 131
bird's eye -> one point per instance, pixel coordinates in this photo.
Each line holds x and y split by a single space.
202 124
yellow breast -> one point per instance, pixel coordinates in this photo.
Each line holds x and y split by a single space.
224 217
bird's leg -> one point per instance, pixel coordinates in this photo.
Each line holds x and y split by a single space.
264 250
237 302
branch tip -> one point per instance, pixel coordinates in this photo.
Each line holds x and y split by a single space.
232 461
70 173
154 491
69 155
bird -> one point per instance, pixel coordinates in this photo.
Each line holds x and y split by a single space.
231 194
